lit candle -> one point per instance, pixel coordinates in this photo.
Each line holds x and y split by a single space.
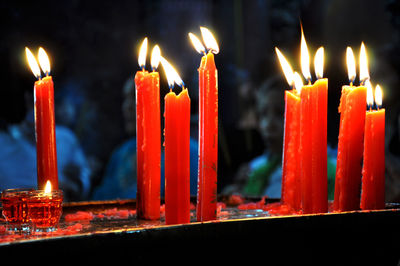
351 134
373 171
45 208
46 152
206 208
148 136
177 150
313 135
291 186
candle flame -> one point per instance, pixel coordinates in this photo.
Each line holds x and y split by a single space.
143 54
298 82
364 73
378 96
209 40
155 57
44 61
319 63
47 188
197 43
351 64
305 57
287 69
370 95
172 75
32 63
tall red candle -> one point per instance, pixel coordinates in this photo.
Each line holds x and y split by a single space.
206 208
313 136
373 171
291 186
148 137
351 135
45 128
350 148
208 140
177 157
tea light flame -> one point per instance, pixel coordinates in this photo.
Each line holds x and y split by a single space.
33 64
47 188
287 69
143 54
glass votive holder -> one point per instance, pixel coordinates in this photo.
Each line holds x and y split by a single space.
15 208
45 209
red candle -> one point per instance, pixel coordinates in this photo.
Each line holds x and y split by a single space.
313 136
177 150
350 146
206 208
291 193
373 172
45 128
148 130
291 186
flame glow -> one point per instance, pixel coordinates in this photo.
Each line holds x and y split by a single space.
319 63
47 188
197 43
287 69
370 95
378 96
32 63
172 75
209 40
298 82
155 57
351 64
44 61
143 54
364 73
305 58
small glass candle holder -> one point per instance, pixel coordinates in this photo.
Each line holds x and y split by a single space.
45 209
15 208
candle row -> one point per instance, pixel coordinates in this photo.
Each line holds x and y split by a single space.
359 181
177 137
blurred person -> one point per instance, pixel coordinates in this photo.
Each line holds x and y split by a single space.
120 178
18 158
263 174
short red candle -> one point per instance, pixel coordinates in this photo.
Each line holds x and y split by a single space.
350 148
373 172
45 130
148 130
206 208
291 186
177 158
313 147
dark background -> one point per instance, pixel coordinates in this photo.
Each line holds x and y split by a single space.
93 47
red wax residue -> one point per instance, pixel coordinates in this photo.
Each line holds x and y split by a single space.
235 200
79 216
